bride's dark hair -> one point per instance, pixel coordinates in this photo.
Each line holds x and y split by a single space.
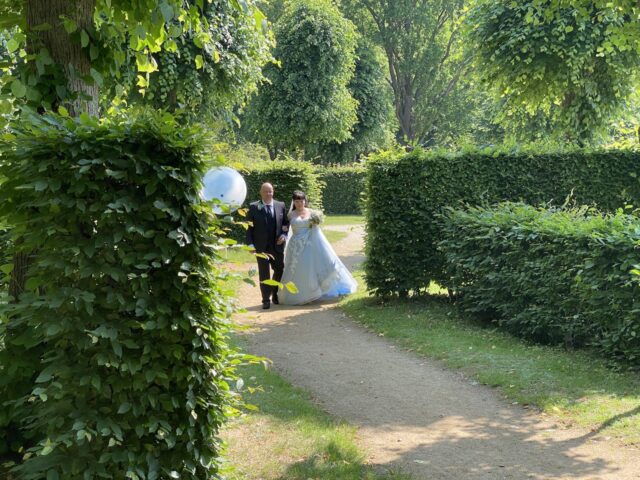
298 195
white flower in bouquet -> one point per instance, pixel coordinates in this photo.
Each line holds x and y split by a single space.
316 218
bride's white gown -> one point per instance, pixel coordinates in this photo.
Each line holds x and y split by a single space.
312 265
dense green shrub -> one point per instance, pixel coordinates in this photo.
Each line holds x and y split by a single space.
285 176
343 188
405 192
552 276
122 323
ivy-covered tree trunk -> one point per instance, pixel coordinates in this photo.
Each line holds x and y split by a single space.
65 50
45 29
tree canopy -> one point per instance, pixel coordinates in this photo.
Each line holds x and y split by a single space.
372 130
306 99
564 65
420 40
63 51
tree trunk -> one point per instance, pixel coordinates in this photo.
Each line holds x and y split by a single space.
75 62
65 49
404 112
18 277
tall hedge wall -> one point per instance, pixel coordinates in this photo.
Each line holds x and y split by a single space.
343 188
286 176
114 360
405 193
562 277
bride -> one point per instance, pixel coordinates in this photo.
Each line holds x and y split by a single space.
309 261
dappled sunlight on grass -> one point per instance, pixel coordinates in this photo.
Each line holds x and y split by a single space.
287 437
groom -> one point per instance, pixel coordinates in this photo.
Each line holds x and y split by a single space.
267 233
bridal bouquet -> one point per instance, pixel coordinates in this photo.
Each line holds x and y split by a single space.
316 218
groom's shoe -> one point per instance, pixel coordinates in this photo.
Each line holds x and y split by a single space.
275 299
266 305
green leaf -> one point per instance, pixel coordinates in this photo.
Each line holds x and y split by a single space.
84 38
18 89
124 408
63 111
291 287
52 474
97 77
44 376
199 62
47 449
167 11
12 45
69 25
7 268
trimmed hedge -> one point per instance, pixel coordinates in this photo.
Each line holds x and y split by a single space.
405 192
343 189
560 277
285 176
115 361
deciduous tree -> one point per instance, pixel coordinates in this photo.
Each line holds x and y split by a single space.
307 99
565 63
421 41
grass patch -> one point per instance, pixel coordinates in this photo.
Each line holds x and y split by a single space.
289 438
334 236
577 387
343 220
235 255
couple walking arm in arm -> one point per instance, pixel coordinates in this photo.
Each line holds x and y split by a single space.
308 260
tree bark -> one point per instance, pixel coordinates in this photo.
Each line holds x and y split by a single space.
18 277
273 152
74 60
65 49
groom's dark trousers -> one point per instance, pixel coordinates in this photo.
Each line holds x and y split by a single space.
263 232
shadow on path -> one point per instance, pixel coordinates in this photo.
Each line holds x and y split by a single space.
430 421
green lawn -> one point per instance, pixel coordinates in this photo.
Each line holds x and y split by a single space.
343 220
575 386
288 438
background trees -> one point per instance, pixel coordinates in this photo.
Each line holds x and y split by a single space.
307 98
564 66
200 80
374 125
421 41
65 50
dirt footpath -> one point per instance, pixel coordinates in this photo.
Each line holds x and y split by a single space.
411 413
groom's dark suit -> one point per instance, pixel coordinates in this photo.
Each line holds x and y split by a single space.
266 225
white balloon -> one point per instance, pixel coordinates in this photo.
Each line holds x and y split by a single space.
225 184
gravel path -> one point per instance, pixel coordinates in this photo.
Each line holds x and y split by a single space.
413 414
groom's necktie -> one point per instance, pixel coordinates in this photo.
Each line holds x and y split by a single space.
269 210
